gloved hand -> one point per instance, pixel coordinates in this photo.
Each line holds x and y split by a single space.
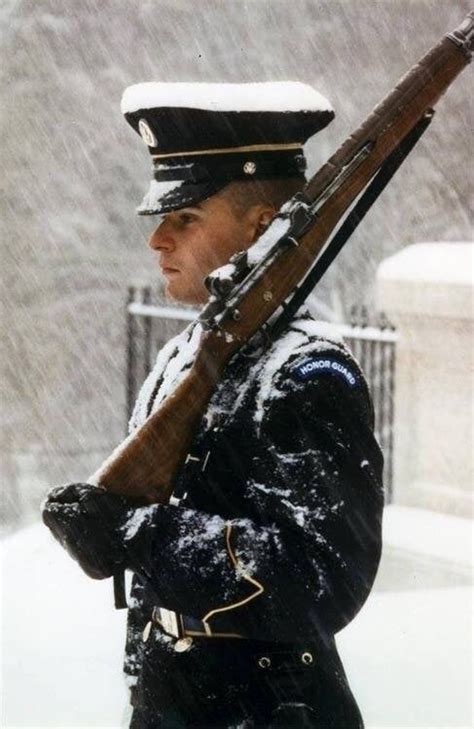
86 520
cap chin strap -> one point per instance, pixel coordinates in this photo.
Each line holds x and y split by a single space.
231 150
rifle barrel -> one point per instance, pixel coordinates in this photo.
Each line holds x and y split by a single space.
436 70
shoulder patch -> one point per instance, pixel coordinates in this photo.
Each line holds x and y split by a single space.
312 366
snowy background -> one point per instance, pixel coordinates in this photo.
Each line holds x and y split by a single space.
72 174
406 653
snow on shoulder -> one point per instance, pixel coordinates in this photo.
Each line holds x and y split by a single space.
265 96
305 336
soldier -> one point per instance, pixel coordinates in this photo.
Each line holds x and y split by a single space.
271 541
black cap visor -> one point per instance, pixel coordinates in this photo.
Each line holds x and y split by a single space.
164 197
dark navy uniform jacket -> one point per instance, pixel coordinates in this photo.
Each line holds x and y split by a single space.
275 530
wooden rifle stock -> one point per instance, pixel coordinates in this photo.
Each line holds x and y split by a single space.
144 467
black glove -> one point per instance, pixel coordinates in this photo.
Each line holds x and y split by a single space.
86 520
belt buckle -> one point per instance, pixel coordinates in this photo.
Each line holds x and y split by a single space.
171 624
169 621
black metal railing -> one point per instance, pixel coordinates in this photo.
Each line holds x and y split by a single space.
371 340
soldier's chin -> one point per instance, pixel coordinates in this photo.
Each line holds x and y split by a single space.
185 295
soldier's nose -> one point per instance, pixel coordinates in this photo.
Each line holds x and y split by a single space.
161 238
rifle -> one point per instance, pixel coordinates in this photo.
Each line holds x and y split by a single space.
256 283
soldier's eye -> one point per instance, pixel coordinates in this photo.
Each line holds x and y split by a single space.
186 218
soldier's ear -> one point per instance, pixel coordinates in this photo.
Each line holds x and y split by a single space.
262 216
265 219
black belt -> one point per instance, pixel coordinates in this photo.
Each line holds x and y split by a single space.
182 626
185 629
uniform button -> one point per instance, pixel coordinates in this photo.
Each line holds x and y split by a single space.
183 644
307 658
264 662
250 168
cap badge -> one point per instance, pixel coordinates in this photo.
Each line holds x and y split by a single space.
249 168
146 133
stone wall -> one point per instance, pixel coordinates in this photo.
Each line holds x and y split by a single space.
427 291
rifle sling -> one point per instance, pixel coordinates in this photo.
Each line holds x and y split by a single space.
120 598
357 214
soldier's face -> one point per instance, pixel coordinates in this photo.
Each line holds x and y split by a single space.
193 241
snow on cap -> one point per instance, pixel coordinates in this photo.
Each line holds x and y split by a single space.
203 136
265 96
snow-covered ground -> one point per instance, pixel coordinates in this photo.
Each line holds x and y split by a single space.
407 653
